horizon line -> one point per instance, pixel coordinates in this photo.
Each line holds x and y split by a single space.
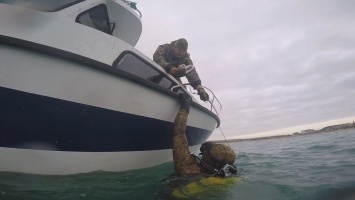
294 129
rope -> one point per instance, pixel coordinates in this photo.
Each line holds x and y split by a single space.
225 139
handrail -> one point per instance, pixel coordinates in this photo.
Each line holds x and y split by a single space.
211 101
188 68
214 98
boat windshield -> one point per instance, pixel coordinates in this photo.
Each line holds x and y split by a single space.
42 5
97 18
136 66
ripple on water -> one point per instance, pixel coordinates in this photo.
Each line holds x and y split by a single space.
315 167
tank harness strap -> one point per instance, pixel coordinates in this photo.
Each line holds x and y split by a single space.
205 165
211 169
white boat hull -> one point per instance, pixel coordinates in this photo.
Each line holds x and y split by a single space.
64 163
62 117
75 98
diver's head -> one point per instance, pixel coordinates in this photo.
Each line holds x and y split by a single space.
218 157
206 147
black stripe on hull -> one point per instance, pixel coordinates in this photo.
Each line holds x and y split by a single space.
33 121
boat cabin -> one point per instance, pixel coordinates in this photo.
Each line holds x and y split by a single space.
112 17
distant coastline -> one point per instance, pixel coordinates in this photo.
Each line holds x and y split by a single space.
301 133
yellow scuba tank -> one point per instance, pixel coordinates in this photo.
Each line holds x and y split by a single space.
203 185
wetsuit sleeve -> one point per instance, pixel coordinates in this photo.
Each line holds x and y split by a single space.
183 161
159 58
192 77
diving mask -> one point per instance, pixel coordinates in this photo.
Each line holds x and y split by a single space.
227 170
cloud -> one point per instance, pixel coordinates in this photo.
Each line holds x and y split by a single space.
272 64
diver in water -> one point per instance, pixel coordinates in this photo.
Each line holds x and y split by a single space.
217 159
195 176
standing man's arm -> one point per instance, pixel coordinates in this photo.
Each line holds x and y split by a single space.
195 81
159 58
192 77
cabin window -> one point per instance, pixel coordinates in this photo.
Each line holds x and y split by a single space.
133 65
42 5
97 18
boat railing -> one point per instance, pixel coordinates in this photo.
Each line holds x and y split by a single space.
215 104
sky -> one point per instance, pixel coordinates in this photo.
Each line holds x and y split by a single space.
273 64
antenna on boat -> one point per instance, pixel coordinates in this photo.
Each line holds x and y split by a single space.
133 5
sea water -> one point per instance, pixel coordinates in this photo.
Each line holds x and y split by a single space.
310 167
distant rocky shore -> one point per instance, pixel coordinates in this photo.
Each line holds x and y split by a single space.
301 133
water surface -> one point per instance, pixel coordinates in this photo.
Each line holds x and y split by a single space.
312 167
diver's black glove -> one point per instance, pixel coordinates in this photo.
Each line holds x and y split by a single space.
185 101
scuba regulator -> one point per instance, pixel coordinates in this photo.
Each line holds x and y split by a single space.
227 170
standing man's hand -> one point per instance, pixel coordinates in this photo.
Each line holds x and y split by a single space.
178 71
203 94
